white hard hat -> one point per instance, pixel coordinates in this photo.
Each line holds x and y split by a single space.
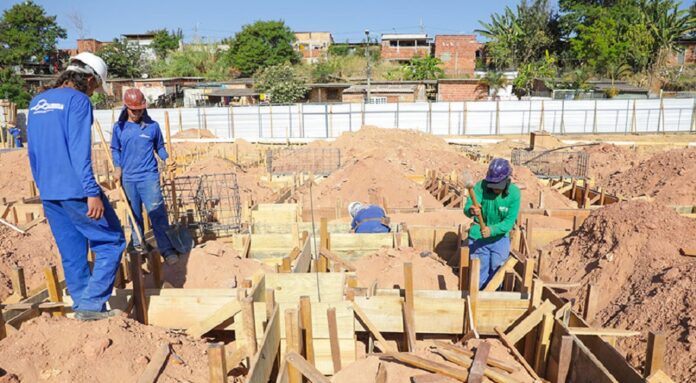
95 62
354 207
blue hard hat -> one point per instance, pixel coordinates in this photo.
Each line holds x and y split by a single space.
499 171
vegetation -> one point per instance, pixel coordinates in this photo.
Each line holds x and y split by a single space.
123 60
165 42
12 87
423 68
281 83
27 34
261 44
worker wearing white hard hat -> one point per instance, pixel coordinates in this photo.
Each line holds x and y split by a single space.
368 218
59 132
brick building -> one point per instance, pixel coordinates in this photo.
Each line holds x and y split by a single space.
313 45
90 45
688 52
463 89
458 54
403 47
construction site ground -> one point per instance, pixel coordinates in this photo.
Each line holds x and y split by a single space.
635 257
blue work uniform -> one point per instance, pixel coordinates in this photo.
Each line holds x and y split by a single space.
133 146
370 219
17 134
60 154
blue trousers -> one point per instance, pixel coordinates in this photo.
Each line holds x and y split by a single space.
75 233
149 193
492 255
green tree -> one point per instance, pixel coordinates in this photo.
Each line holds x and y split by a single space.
543 70
262 44
13 87
25 32
503 32
666 24
165 42
204 62
281 83
123 60
493 81
423 68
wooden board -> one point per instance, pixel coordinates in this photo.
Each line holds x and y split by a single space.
362 242
290 287
304 259
262 363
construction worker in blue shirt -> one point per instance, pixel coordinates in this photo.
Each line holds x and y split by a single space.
499 201
79 214
368 218
17 134
135 140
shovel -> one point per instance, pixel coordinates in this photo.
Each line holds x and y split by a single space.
178 234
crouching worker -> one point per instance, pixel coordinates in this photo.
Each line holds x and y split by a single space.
368 218
135 140
499 201
60 154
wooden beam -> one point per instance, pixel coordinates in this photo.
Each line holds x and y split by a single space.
429 365
602 331
492 361
335 258
528 275
221 316
262 364
19 285
565 355
306 322
306 369
372 328
140 308
655 356
54 292
511 346
293 335
590 304
499 275
381 376
463 267
474 275
409 327
333 339
217 363
543 343
530 321
688 252
153 369
249 321
3 330
478 366
235 357
324 233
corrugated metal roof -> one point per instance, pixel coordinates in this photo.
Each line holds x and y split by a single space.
382 89
232 93
404 36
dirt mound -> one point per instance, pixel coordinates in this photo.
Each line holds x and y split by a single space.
668 177
194 133
503 148
530 188
15 175
630 252
607 160
33 251
114 350
212 265
387 267
356 179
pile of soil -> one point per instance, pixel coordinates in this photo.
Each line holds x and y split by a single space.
530 188
607 160
194 133
358 178
33 251
15 175
386 266
630 252
113 350
212 265
667 177
503 148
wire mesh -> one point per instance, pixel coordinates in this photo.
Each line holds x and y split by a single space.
320 161
553 164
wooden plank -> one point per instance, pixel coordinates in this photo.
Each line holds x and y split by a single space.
511 346
335 258
306 324
263 362
304 258
294 341
221 317
249 321
432 378
474 284
492 361
590 303
216 363
3 330
141 309
655 356
54 292
305 368
381 376
602 331
479 364
373 329
19 285
530 322
464 267
659 377
542 345
409 326
152 370
688 252
528 275
429 365
289 287
564 360
366 241
333 339
499 275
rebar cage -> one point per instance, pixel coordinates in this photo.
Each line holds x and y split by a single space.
320 161
553 164
209 203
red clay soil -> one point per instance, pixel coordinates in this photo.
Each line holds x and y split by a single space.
386 266
194 133
212 265
667 177
15 175
108 351
33 251
630 252
530 188
607 160
356 179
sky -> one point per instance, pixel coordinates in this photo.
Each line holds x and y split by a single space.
214 20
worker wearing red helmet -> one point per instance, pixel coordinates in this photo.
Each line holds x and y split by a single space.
499 201
135 141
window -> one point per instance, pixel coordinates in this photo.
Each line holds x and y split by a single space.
377 100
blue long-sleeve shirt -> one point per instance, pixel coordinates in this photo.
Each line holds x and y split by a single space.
133 146
369 220
60 144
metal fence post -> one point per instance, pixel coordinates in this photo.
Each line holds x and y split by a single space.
258 115
350 117
594 118
497 117
363 113
288 132
270 117
464 118
562 127
326 119
541 117
449 118
692 127
397 114
234 135
429 124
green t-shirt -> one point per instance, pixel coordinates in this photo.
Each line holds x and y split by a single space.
499 211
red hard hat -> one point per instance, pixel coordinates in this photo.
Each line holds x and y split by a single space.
134 99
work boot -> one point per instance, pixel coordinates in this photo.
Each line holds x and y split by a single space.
172 259
96 315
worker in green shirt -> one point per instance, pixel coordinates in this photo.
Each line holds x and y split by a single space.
499 201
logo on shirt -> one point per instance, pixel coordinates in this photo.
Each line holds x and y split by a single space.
143 135
44 106
503 209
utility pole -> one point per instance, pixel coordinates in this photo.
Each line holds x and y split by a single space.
367 58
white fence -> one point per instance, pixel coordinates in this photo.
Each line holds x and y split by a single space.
311 121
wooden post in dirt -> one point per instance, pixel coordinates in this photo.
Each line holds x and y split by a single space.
293 342
19 285
139 307
306 324
541 263
474 275
528 275
323 234
217 364
655 356
54 292
409 319
3 330
155 267
333 339
270 304
565 355
590 304
464 267
249 322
